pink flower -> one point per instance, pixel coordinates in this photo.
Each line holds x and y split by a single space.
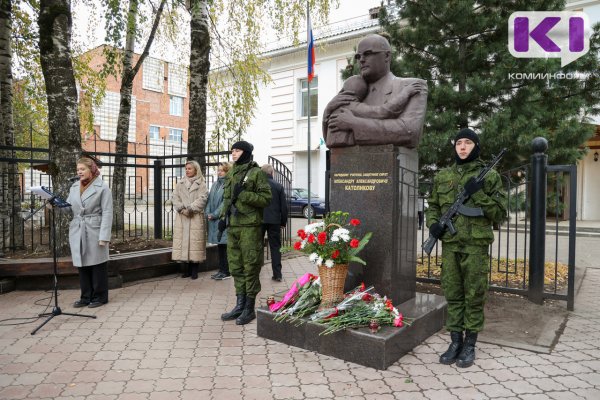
354 243
355 222
335 254
398 321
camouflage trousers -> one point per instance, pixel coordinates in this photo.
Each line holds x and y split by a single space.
465 284
245 256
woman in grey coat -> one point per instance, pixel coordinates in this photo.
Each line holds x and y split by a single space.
213 212
89 232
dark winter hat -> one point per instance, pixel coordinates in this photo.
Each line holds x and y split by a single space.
243 145
467 133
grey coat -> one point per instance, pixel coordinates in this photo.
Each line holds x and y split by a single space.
92 222
213 208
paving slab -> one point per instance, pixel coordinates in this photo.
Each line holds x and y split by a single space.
163 339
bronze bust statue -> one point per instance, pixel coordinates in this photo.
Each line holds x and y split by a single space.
382 109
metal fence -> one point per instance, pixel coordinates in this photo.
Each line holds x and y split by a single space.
154 172
152 175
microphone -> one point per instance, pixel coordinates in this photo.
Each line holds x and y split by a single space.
74 178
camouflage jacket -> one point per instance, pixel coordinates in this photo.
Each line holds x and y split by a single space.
252 200
474 234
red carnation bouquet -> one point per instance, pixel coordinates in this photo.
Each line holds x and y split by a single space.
334 240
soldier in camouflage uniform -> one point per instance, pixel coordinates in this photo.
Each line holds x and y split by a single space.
246 193
465 257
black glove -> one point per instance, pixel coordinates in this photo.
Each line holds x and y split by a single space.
472 186
222 225
436 230
237 189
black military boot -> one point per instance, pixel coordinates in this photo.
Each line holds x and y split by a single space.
248 314
237 310
186 270
467 355
454 349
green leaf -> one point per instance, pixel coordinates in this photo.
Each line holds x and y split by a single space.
357 260
363 242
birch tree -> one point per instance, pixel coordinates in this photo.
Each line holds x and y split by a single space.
55 24
231 35
128 73
10 199
199 68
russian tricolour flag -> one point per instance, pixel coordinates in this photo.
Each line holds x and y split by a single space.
311 49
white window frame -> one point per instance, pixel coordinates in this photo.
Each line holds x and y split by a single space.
153 74
150 137
171 137
176 106
314 91
178 77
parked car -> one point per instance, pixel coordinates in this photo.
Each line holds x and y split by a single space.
299 204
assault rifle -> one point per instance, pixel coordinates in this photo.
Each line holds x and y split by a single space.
459 208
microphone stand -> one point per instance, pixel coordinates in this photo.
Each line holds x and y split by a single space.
54 200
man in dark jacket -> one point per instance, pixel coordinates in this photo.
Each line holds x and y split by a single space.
274 218
245 195
465 256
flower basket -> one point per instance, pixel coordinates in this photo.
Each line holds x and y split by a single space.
332 284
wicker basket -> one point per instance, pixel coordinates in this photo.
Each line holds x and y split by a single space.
332 284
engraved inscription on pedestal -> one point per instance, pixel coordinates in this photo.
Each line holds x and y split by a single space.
377 184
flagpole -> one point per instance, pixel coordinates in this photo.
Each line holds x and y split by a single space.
308 40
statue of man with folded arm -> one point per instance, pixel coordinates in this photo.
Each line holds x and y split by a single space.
393 111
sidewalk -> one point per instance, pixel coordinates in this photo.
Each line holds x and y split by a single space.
163 339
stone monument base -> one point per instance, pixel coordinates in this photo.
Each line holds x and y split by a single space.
376 350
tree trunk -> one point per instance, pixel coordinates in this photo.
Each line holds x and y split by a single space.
11 233
119 184
199 68
119 175
55 24
463 115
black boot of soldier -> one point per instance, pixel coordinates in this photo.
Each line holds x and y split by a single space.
454 349
248 314
237 310
467 354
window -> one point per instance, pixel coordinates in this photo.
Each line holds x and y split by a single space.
153 73
105 116
175 135
176 106
154 133
314 95
178 76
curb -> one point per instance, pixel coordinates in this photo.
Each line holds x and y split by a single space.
7 285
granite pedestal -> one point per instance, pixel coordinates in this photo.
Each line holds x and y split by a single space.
376 350
378 185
